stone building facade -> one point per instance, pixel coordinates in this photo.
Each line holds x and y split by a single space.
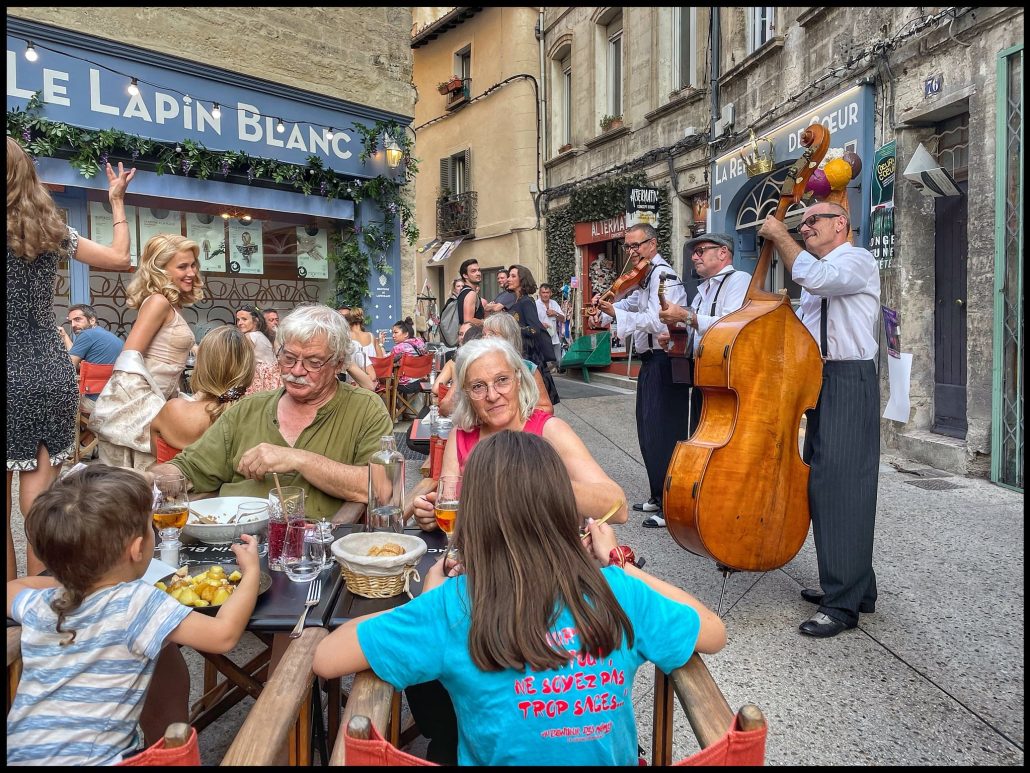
478 143
309 57
690 85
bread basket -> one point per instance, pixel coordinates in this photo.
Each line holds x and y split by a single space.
378 577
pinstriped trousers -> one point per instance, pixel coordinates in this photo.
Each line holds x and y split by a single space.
662 413
842 444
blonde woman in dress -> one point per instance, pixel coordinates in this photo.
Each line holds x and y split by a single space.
148 370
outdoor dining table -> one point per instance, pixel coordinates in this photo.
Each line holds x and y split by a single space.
347 606
275 614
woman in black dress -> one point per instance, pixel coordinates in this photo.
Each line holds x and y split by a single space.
536 342
42 395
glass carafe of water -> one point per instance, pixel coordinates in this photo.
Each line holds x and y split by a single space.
386 488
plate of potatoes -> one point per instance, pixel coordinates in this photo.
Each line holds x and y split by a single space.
206 586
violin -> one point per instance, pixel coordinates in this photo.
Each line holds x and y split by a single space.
622 285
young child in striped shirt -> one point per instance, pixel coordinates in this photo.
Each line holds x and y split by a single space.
91 633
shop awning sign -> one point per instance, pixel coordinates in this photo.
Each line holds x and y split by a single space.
445 250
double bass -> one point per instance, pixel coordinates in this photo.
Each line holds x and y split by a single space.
737 490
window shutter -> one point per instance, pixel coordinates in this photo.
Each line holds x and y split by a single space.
468 169
446 182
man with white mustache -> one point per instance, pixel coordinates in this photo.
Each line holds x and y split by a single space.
315 432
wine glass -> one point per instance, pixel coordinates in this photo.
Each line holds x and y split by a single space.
448 492
171 504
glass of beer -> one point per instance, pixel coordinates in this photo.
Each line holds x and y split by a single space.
171 504
448 492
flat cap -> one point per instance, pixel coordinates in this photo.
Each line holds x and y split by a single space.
724 240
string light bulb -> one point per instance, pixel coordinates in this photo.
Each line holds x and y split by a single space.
280 126
329 133
30 52
217 112
134 87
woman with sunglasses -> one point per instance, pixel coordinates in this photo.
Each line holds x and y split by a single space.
498 393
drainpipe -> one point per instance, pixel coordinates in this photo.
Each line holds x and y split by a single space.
541 118
713 39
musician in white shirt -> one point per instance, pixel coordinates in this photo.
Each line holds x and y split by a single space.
839 306
722 290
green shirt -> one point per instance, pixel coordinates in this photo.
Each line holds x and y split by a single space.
347 430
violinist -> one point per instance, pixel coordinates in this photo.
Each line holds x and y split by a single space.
722 290
840 303
661 420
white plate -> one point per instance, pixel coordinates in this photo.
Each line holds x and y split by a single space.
222 508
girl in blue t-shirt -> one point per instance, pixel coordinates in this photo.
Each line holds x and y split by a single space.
536 643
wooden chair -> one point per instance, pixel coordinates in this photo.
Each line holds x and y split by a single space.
179 746
370 730
92 378
417 367
383 367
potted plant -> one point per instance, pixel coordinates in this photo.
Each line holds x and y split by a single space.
610 122
454 83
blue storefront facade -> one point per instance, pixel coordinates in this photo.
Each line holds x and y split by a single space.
264 241
739 203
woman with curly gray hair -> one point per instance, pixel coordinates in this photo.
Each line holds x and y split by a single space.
497 393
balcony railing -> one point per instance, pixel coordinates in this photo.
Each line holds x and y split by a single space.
456 215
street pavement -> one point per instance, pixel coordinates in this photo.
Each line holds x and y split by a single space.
933 677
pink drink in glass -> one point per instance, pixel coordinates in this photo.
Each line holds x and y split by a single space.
276 541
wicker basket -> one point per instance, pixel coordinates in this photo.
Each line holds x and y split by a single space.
378 577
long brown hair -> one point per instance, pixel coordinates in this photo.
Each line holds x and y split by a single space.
34 224
524 561
81 525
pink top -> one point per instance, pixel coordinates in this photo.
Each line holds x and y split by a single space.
467 439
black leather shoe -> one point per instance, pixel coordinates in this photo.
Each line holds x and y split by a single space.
823 626
816 597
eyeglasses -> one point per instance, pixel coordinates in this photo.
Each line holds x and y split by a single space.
288 360
699 251
810 221
636 245
502 385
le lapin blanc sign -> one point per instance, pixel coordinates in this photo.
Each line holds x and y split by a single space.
93 94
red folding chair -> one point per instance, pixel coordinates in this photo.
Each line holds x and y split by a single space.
416 368
383 367
725 738
92 379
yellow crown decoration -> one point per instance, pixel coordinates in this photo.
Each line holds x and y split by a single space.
762 159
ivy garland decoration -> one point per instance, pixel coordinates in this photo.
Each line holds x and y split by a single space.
596 202
89 150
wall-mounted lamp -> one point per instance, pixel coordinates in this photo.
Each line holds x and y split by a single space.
241 216
394 154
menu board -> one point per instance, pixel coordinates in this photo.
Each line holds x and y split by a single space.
101 227
209 232
246 253
312 249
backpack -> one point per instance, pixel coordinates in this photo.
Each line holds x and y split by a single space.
449 323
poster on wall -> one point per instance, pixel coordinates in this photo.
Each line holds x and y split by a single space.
881 217
101 227
246 255
892 329
154 221
312 249
209 232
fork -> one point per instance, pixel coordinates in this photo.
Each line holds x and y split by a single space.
314 596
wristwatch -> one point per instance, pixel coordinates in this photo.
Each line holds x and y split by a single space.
621 555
